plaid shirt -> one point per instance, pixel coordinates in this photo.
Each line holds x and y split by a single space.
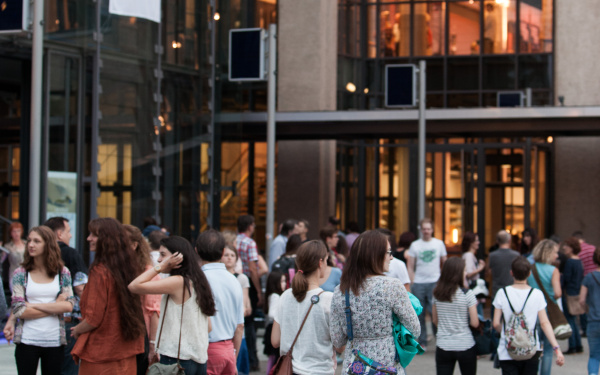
247 251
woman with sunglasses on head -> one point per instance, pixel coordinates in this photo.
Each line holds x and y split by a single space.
185 333
373 299
42 293
312 353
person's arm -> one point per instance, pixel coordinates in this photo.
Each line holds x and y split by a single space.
51 308
497 317
480 267
434 316
81 328
549 332
473 317
237 338
152 334
410 265
556 284
143 284
407 287
443 260
9 328
209 325
276 335
263 268
583 295
255 278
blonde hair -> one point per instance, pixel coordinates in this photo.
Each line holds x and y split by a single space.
542 252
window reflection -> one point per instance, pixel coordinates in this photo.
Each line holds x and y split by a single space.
464 28
394 24
535 26
430 26
499 26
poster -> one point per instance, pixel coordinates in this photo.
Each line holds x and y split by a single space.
62 199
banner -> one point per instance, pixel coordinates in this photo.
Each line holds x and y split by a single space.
148 9
62 199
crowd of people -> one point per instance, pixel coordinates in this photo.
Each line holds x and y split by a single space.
338 300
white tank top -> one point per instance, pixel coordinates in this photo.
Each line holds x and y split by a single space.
194 331
45 331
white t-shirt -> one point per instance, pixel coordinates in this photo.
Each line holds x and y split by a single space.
535 303
313 352
427 256
44 332
471 264
273 305
398 271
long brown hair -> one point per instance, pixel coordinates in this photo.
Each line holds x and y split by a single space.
113 250
51 256
366 258
452 278
307 262
142 250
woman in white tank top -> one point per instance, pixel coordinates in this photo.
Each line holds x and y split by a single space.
178 258
42 293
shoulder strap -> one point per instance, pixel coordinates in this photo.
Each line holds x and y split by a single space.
509 304
596 280
536 276
348 312
524 303
304 321
181 320
164 313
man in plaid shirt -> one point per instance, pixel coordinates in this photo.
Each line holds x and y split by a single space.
248 254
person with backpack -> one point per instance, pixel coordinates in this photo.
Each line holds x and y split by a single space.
519 308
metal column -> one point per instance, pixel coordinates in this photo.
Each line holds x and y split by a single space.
271 107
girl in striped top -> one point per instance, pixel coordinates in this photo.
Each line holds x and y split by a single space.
453 311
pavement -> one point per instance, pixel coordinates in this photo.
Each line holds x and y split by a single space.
574 364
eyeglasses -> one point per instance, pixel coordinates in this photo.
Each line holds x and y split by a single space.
389 251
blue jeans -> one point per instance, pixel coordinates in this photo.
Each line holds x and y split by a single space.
243 360
575 339
546 362
69 367
424 292
593 334
190 367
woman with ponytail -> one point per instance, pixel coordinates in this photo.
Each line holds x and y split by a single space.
313 352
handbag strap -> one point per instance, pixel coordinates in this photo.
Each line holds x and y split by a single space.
596 280
180 323
348 312
312 303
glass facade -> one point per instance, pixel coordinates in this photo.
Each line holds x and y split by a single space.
473 49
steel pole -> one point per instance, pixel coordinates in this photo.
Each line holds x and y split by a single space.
35 153
422 103
271 107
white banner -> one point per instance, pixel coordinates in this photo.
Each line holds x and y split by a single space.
148 9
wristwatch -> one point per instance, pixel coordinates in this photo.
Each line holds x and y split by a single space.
157 268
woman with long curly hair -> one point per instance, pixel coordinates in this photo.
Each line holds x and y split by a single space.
112 331
42 293
186 288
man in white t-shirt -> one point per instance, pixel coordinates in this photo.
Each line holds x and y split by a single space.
424 260
398 271
534 309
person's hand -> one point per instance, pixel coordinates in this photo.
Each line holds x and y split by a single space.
9 330
260 300
481 265
74 333
61 297
152 355
171 262
560 358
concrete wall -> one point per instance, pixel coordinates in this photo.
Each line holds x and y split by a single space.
577 159
576 51
307 75
577 183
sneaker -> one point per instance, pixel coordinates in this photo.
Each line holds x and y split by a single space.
579 349
570 351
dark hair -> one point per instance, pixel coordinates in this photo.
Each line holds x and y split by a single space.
288 226
293 244
366 258
577 234
154 239
305 222
326 232
406 239
190 271
596 256
353 227
333 221
142 250
243 222
451 278
520 268
523 247
342 246
573 243
210 245
113 250
307 262
52 259
149 220
468 239
273 286
56 223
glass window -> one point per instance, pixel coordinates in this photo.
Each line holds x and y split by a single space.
499 32
535 26
464 28
435 74
534 71
349 31
429 29
499 72
394 30
463 73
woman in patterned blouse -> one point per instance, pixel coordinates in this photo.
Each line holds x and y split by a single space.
42 293
373 299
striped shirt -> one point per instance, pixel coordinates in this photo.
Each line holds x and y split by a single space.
453 333
587 258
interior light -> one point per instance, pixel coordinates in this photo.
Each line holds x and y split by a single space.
366 90
550 139
217 16
176 44
351 87
454 235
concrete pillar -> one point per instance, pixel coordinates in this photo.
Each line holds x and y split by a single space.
306 78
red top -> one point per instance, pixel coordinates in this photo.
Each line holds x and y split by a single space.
100 308
587 258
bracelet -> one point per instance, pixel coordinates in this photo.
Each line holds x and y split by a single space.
152 342
556 348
